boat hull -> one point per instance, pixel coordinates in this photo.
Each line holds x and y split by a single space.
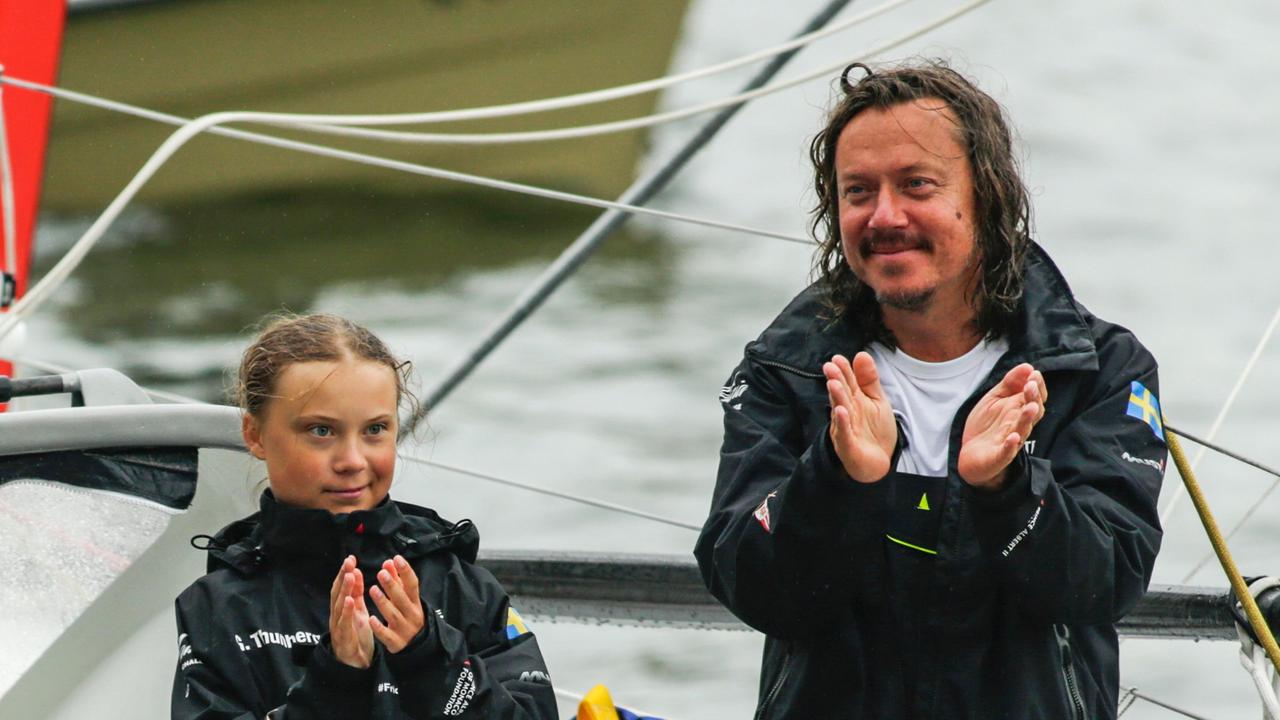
193 58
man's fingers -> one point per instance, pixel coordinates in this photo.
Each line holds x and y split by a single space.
1014 380
846 372
866 377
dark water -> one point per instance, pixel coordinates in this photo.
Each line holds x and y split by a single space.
1147 131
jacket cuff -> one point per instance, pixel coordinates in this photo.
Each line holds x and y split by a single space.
832 500
827 464
333 672
1015 491
420 650
1007 517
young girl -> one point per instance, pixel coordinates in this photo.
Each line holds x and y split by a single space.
282 625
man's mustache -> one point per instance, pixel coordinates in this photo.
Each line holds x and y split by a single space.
888 241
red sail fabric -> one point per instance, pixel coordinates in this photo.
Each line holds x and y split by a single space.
30 42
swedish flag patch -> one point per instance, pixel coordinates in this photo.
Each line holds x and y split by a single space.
515 624
1144 406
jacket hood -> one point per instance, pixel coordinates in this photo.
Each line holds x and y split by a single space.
1055 330
281 531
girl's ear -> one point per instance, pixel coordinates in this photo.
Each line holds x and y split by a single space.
252 436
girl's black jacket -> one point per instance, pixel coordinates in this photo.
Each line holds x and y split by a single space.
921 597
253 633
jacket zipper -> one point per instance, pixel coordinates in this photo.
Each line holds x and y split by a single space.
790 368
1069 671
772 695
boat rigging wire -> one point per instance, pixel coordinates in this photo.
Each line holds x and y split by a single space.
1224 451
1256 620
7 203
576 254
1217 424
581 131
1133 692
68 263
37 295
604 504
45 366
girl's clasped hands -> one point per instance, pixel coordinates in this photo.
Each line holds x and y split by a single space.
352 628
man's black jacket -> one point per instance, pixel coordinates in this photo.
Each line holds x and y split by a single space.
921 597
253 633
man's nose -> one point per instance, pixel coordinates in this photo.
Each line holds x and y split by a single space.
887 212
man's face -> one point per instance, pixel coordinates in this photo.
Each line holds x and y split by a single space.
906 205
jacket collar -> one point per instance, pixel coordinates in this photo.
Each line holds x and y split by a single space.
289 533
1053 332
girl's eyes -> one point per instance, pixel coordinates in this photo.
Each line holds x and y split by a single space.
377 428
322 431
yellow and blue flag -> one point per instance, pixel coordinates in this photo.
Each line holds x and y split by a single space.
1144 406
515 624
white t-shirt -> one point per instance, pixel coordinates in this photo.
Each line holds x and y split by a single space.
926 395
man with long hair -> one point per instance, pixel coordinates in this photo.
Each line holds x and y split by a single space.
937 489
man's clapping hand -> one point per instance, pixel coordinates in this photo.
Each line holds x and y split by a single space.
863 429
998 425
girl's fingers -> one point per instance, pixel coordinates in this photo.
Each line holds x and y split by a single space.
408 577
382 632
335 591
394 617
405 604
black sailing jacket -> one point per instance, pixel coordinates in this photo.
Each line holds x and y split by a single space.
920 597
253 633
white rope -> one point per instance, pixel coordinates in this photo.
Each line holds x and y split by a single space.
1255 661
65 266
1222 416
596 96
377 161
310 123
7 204
334 124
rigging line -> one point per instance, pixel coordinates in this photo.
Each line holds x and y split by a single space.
1248 514
597 96
1134 692
7 204
45 366
582 131
1222 415
581 499
1219 449
577 253
65 266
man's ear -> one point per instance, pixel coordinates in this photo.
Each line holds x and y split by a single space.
252 434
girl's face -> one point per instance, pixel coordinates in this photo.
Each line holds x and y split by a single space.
329 434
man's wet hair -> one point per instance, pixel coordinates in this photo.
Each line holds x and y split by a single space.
1001 201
